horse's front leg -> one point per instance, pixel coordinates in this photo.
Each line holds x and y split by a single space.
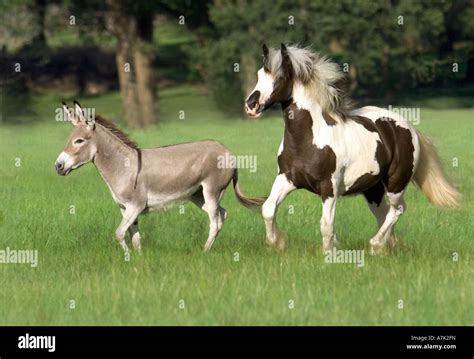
129 216
327 223
280 189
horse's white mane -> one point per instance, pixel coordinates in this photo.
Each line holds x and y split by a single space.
317 73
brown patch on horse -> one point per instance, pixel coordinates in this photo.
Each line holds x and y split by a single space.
366 122
122 136
328 119
394 156
375 193
282 89
398 142
368 180
301 161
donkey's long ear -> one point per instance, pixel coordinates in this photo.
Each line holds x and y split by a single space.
79 111
70 114
285 60
82 116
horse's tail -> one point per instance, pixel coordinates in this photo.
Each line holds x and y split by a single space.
250 202
430 178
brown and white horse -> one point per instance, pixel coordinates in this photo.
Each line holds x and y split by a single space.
150 179
331 150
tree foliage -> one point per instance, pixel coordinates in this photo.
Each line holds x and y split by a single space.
387 45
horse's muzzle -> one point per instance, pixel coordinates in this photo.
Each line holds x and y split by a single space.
254 111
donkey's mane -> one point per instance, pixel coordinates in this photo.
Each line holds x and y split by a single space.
122 136
320 76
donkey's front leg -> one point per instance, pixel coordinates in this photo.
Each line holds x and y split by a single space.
327 223
134 234
129 215
280 189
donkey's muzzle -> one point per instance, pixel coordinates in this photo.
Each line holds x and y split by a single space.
59 166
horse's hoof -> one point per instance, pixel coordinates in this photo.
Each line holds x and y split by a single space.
378 250
393 242
279 243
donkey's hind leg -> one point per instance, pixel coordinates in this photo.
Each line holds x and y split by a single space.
209 200
198 199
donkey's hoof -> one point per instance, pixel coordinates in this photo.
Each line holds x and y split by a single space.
224 213
336 243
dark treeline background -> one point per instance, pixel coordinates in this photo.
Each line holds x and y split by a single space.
387 47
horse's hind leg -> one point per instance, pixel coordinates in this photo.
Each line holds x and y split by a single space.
396 206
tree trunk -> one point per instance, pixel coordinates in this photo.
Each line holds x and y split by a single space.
145 75
134 64
38 42
128 87
146 85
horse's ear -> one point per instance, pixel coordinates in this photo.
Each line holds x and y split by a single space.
285 60
70 114
265 51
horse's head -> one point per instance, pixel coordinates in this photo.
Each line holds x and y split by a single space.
81 144
275 81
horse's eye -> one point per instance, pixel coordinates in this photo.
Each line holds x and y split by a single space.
78 141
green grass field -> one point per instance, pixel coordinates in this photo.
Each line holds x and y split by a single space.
175 283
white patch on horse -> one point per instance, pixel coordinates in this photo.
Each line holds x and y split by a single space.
264 85
374 113
280 151
353 144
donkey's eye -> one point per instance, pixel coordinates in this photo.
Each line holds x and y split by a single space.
79 141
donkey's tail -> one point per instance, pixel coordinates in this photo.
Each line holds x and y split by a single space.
431 180
250 202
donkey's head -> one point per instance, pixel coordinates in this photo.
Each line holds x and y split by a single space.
81 145
275 81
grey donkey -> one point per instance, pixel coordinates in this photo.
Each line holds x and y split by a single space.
151 179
